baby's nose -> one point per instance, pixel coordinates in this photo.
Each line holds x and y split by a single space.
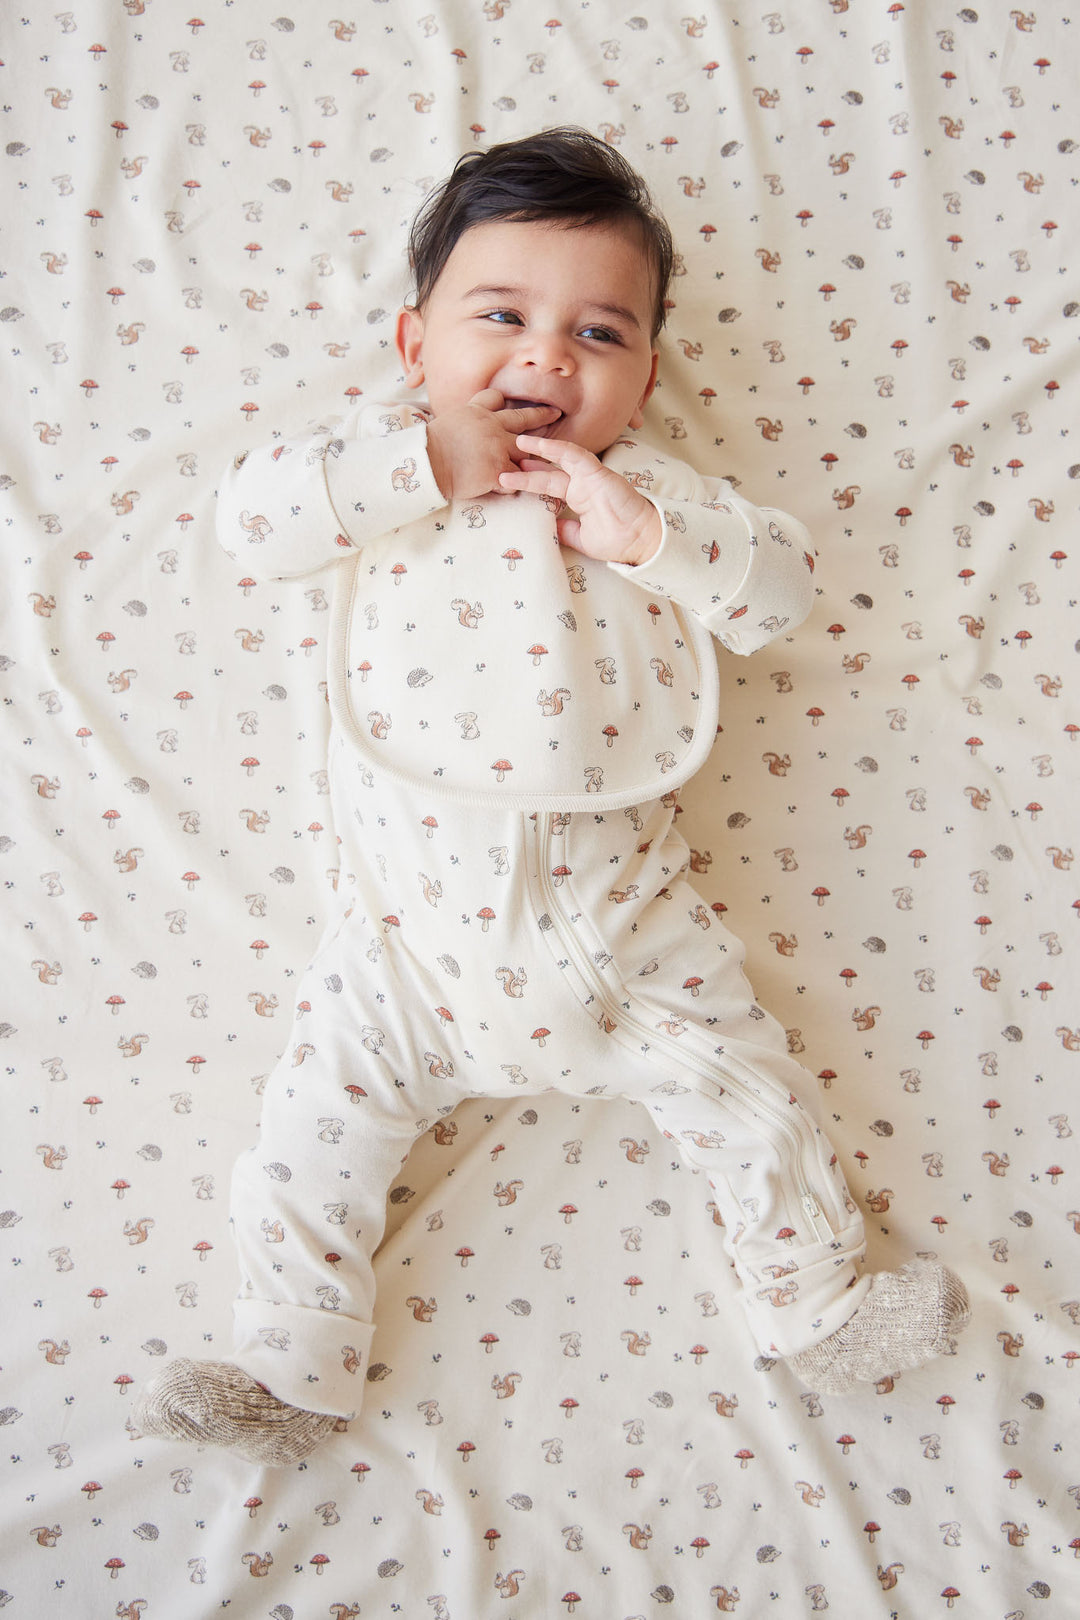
550 351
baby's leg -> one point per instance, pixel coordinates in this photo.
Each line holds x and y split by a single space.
361 1078
793 1233
714 1071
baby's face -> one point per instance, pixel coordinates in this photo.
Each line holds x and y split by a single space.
544 314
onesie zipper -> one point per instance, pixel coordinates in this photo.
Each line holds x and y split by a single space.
617 1018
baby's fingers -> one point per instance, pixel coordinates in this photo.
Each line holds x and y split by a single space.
540 478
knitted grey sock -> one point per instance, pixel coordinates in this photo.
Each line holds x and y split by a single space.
215 1403
908 1317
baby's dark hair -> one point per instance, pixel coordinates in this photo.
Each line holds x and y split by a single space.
564 175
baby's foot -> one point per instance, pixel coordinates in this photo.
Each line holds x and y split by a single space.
215 1403
908 1317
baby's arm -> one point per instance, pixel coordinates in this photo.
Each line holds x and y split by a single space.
745 571
289 507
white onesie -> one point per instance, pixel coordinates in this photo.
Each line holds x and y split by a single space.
510 723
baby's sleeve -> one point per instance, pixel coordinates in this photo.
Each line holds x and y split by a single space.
287 508
745 571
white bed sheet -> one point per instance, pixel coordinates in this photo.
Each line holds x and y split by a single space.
876 329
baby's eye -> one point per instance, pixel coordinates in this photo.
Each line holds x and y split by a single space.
601 334
502 317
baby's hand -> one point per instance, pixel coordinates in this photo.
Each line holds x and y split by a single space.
470 445
614 522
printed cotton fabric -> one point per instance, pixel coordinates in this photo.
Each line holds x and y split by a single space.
873 328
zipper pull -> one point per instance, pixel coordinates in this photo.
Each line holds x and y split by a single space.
811 1206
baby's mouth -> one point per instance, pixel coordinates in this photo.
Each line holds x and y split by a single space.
546 428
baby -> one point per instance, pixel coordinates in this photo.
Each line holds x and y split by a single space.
521 676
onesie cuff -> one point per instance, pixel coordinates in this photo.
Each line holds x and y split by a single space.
702 558
744 585
381 481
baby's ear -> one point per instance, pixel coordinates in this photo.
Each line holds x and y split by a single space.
409 336
636 418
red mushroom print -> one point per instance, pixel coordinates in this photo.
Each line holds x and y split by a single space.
511 558
871 1529
115 1002
114 1566
945 1402
90 1489
123 1382
569 1405
536 652
845 1442
1013 1476
97 1295
465 1450
489 1341
501 767
120 1187
253 1504
698 1351
693 984
950 1594
633 1282
203 1248
491 1537
568 1211
632 1474
571 1599
464 1254
540 1036
744 1457
1010 1291
430 826
360 1469
699 1544
487 917
320 1562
